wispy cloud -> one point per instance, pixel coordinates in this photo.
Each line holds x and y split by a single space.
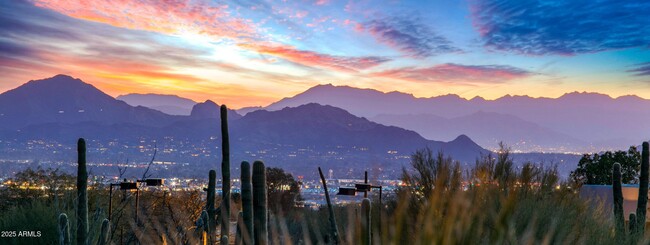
562 27
642 69
455 73
118 60
169 17
408 35
205 18
309 58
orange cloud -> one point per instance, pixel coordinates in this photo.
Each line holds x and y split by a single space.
177 17
309 58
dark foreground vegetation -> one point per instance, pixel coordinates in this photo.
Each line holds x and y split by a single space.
440 203
492 202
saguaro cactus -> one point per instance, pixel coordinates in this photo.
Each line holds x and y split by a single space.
209 205
240 228
334 230
618 200
105 233
224 239
247 203
225 173
366 236
64 230
632 224
260 209
642 202
82 196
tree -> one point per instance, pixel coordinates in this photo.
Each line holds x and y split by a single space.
30 184
596 169
283 190
430 173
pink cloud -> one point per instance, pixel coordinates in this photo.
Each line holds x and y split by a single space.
169 17
454 73
301 14
322 2
205 18
310 58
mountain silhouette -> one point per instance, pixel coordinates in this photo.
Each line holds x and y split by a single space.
586 121
169 104
314 125
63 108
63 99
209 109
487 128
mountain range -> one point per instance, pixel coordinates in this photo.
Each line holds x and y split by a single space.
578 121
574 122
488 128
63 108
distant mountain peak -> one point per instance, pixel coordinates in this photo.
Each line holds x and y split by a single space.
60 76
167 103
584 94
207 109
327 85
210 109
629 97
63 85
463 139
210 102
64 99
60 79
478 99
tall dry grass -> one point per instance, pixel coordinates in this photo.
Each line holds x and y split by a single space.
491 202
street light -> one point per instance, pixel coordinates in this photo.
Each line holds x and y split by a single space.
347 191
125 185
153 182
365 188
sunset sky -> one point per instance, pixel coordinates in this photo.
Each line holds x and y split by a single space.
254 52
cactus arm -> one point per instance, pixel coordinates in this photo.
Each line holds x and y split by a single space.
105 233
632 224
64 230
619 219
642 202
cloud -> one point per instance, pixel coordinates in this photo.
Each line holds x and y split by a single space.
455 73
169 17
562 27
642 69
200 17
118 59
48 33
309 58
408 35
322 2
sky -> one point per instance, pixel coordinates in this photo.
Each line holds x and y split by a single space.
255 52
